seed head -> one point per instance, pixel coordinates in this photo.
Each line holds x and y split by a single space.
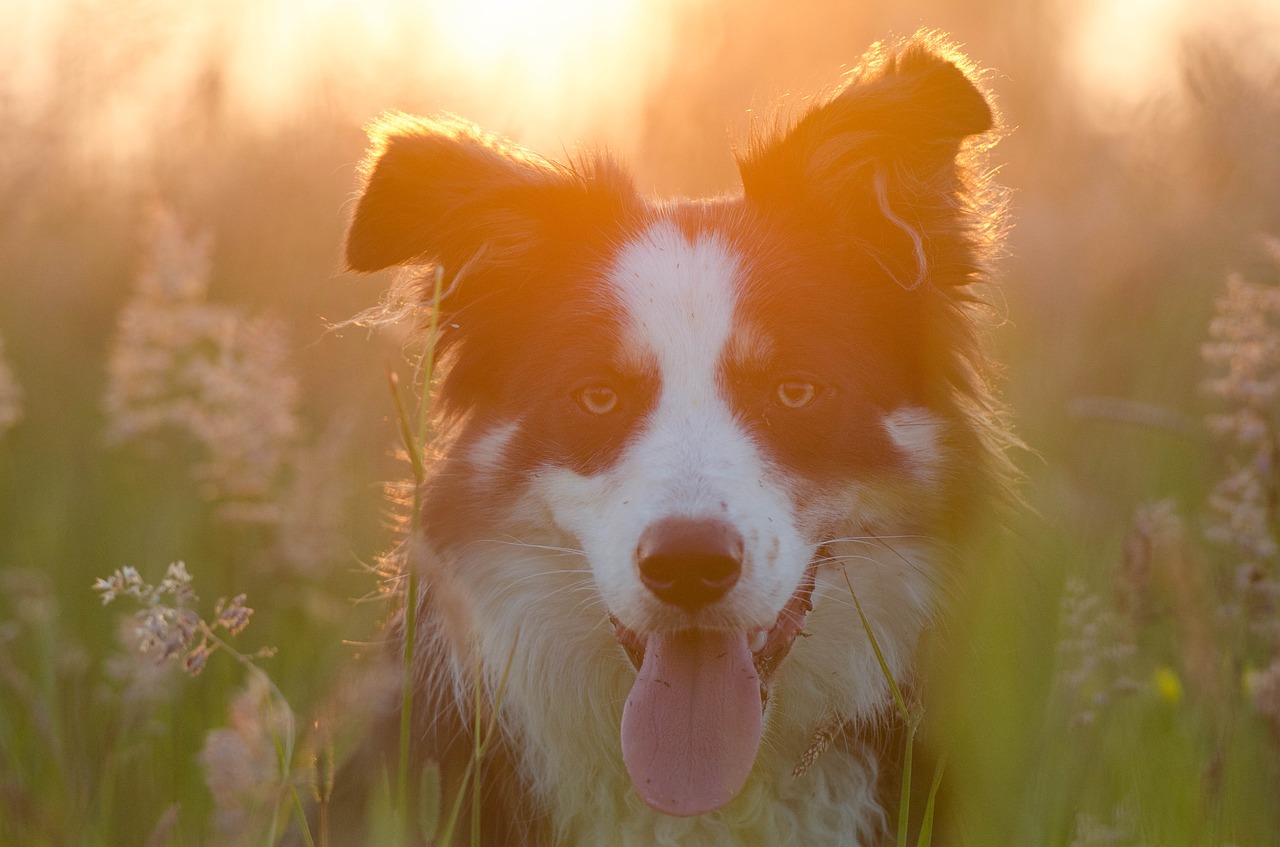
233 616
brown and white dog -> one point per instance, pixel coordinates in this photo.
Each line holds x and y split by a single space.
671 431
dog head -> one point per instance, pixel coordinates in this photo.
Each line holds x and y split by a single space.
719 403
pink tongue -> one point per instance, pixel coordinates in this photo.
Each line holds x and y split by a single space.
691 725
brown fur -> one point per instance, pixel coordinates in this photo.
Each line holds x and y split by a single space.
884 162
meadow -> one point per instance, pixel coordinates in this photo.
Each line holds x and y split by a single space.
190 430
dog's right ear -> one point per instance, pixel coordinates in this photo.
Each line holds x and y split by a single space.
904 113
440 190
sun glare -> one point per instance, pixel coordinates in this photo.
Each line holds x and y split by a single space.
551 72
534 40
551 69
548 70
1123 51
1122 48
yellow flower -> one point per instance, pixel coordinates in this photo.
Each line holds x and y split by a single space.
1168 685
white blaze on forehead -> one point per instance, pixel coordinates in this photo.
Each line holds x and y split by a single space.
678 295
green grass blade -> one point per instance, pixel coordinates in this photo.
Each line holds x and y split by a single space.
415 441
904 803
926 825
911 719
429 789
300 815
429 356
884 666
411 446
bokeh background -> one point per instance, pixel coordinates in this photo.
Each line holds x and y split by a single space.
174 180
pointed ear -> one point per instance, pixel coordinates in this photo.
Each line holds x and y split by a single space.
440 190
905 111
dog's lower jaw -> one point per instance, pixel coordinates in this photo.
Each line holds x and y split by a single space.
569 747
573 760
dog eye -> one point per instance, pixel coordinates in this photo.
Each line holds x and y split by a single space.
597 399
795 393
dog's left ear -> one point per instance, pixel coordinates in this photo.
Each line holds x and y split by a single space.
439 190
904 115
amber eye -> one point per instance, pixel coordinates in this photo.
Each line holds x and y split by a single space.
795 393
597 399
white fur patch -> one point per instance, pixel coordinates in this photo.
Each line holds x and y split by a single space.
690 457
679 298
917 433
487 452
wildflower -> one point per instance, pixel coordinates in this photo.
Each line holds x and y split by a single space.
1167 684
169 630
194 661
1093 654
1257 602
233 616
1241 505
181 365
167 625
10 395
176 583
242 765
125 581
178 269
1244 350
246 420
1162 569
1263 688
141 680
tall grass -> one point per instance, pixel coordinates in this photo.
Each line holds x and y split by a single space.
912 715
415 435
1141 710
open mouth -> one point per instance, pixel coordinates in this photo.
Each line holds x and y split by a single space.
692 723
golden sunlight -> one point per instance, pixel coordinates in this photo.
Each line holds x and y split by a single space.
535 42
553 73
1124 51
548 71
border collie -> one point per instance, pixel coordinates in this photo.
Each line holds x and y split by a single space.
674 437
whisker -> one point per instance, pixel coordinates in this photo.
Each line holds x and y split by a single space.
586 599
868 539
581 580
792 616
881 541
529 545
931 575
934 576
589 600
845 557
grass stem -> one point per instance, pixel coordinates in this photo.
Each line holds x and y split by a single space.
909 717
415 439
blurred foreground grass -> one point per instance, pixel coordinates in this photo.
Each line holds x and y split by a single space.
169 391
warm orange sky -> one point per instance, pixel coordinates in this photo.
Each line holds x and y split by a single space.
1123 49
549 71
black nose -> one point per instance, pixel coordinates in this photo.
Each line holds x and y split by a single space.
690 563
